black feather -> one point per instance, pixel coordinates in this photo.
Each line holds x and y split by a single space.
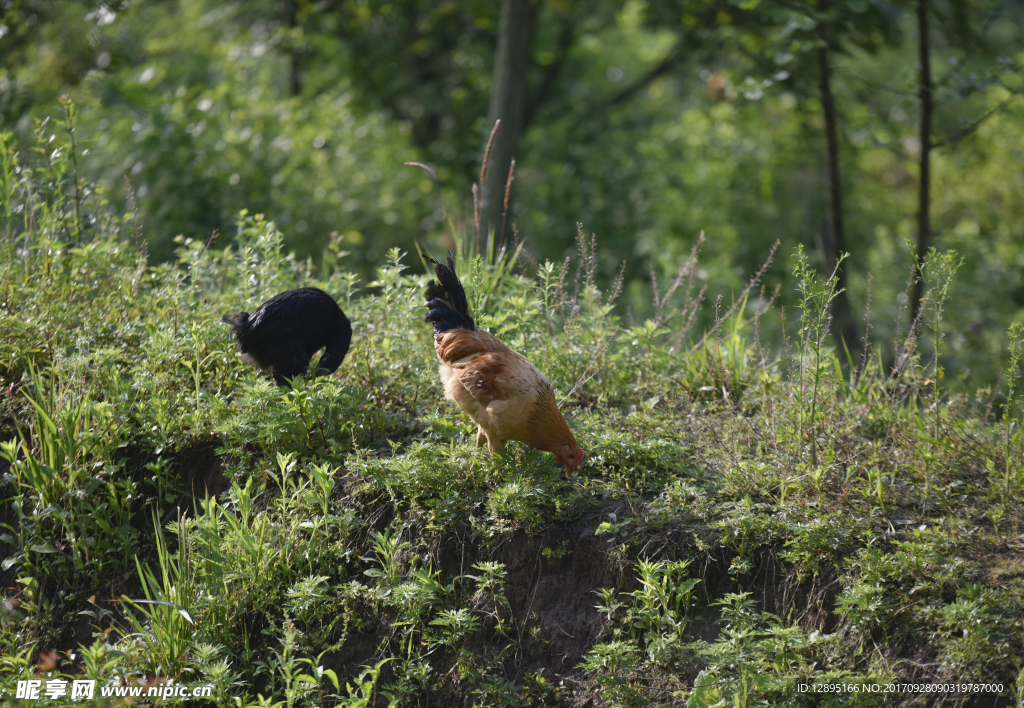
285 331
446 299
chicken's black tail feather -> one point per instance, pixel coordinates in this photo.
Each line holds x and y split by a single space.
237 321
446 298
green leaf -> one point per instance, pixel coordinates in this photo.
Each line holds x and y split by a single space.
181 610
333 677
705 693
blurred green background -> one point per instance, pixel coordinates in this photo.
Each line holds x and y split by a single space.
646 123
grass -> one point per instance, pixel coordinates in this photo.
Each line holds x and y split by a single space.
748 518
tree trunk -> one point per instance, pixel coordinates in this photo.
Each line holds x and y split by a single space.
923 223
508 104
293 52
834 239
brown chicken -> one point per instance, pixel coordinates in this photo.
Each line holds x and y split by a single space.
504 394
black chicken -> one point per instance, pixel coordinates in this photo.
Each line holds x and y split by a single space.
286 330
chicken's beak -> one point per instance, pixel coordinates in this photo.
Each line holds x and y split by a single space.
570 466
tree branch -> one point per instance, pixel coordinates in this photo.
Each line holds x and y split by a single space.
625 94
924 191
880 87
971 127
654 72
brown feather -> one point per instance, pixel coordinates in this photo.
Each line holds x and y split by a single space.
507 397
501 391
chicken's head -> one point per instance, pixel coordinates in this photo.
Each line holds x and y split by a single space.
570 456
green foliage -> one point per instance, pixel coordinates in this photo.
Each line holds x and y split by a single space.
612 663
355 546
68 497
1011 438
649 122
364 693
816 296
168 626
